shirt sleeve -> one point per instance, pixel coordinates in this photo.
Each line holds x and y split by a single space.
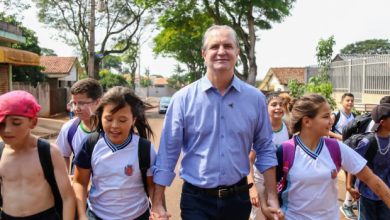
62 140
149 172
262 144
170 144
83 158
351 161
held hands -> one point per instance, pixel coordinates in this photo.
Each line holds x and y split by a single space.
272 211
354 193
159 213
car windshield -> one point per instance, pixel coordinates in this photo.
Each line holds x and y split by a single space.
165 100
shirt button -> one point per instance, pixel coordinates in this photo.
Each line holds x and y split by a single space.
222 117
222 136
222 155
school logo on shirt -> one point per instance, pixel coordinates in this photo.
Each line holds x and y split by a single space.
129 170
333 174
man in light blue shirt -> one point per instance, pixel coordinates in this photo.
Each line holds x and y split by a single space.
215 122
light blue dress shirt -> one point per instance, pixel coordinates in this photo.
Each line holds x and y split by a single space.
215 134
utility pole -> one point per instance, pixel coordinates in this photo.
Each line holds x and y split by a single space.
91 45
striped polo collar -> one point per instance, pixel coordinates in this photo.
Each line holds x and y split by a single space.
116 147
313 154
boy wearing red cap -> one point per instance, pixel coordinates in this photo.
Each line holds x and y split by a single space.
25 191
375 149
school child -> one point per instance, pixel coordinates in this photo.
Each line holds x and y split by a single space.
276 112
342 117
118 190
27 191
310 190
375 149
85 95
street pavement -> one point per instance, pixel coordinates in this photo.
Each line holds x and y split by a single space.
50 127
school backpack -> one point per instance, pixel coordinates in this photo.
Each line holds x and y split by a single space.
143 154
286 154
48 170
354 140
72 131
357 126
336 120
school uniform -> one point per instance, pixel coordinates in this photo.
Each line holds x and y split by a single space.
343 121
311 191
77 141
117 190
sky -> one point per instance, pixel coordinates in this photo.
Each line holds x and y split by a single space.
291 43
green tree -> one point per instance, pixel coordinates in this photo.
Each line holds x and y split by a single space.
372 46
48 52
181 36
119 22
29 74
178 79
108 80
111 61
320 83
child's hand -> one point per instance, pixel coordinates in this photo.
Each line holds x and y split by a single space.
254 196
272 213
354 193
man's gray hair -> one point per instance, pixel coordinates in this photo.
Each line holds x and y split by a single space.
219 27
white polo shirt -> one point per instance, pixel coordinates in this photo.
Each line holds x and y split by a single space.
77 141
311 191
114 193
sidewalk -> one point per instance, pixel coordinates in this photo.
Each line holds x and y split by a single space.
49 127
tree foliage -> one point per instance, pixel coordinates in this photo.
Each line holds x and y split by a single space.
372 46
181 36
29 74
320 83
179 79
120 21
111 61
108 80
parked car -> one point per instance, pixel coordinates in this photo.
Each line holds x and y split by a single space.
164 102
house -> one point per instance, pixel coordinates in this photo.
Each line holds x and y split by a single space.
277 78
65 71
12 57
367 77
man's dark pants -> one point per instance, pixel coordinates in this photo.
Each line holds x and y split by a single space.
373 210
198 205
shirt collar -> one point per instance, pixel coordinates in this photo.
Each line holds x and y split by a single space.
206 84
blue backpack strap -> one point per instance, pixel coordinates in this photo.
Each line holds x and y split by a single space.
334 150
72 131
288 155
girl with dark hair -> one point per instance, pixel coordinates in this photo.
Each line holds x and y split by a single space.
117 190
310 191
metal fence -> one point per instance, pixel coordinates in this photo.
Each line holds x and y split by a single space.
363 75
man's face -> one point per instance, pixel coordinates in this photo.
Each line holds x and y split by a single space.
220 51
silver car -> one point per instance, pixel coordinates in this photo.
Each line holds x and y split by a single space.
164 102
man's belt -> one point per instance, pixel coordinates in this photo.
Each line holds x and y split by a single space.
224 191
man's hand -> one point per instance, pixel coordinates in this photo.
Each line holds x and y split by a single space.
159 213
254 196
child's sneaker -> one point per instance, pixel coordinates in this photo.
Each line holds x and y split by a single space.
355 205
348 212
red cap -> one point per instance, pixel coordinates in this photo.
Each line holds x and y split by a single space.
20 103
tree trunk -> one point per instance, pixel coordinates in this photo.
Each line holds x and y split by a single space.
252 42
